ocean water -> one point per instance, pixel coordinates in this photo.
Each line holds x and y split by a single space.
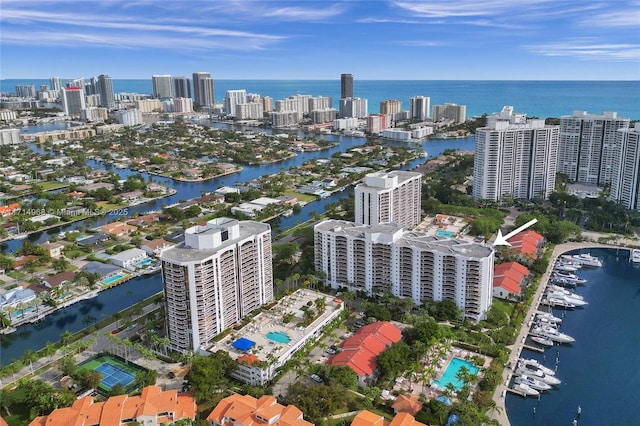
600 371
535 98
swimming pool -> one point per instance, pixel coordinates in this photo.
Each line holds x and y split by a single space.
145 262
278 336
112 279
452 370
448 234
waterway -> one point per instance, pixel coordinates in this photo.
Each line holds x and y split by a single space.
599 371
73 318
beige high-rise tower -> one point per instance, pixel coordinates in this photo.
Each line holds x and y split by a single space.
219 274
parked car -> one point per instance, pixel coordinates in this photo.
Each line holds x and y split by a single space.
316 378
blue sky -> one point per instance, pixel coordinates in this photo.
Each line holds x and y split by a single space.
441 40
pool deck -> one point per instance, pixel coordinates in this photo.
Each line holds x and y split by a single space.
271 321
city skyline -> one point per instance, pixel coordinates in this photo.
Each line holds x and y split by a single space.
502 40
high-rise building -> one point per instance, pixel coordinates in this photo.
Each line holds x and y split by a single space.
390 106
454 112
25 91
217 276
419 107
346 86
73 100
385 197
625 183
233 98
280 119
203 91
320 102
515 157
376 123
323 115
249 111
267 103
354 107
105 90
55 83
183 105
129 117
379 259
181 87
162 86
587 146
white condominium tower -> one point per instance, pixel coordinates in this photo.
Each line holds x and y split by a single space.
354 107
219 274
384 258
162 86
456 113
233 98
386 197
419 107
514 157
73 100
587 146
625 184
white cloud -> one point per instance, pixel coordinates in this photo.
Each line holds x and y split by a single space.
620 18
589 49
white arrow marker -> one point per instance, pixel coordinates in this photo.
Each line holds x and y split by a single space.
502 241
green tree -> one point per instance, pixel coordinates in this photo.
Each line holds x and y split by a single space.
209 374
60 264
68 365
117 389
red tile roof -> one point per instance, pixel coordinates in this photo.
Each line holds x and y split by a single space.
245 410
407 404
359 352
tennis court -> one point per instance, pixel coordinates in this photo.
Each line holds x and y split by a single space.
114 370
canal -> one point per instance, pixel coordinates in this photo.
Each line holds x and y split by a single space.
74 318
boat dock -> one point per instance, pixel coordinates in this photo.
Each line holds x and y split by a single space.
534 348
516 392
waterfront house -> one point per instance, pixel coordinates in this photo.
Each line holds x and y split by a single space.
16 296
118 229
103 269
144 220
58 279
6 211
54 250
155 247
129 259
367 418
509 279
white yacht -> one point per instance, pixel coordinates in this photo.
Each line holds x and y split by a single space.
551 334
534 363
526 389
567 267
559 289
533 383
549 317
569 277
542 340
635 255
587 260
558 303
555 297
538 374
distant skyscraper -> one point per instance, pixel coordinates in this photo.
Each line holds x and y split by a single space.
181 87
391 106
587 146
73 100
515 157
386 197
162 86
203 91
419 107
55 83
105 90
457 113
233 98
354 107
216 277
625 183
346 86
25 90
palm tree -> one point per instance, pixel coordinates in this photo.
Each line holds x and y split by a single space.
65 338
28 357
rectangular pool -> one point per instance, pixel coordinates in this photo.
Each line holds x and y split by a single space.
451 372
111 279
447 234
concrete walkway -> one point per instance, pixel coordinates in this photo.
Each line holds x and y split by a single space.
500 413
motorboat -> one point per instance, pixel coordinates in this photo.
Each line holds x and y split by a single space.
587 260
549 317
635 255
567 267
542 341
556 296
558 303
563 282
552 334
536 364
525 389
569 277
562 290
533 383
537 374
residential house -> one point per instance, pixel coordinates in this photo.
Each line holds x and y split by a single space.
245 410
508 280
527 244
154 407
54 250
118 229
6 211
360 351
103 269
367 418
129 259
155 247
144 220
130 196
16 296
58 279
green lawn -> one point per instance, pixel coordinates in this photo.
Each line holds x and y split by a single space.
16 275
48 186
301 197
